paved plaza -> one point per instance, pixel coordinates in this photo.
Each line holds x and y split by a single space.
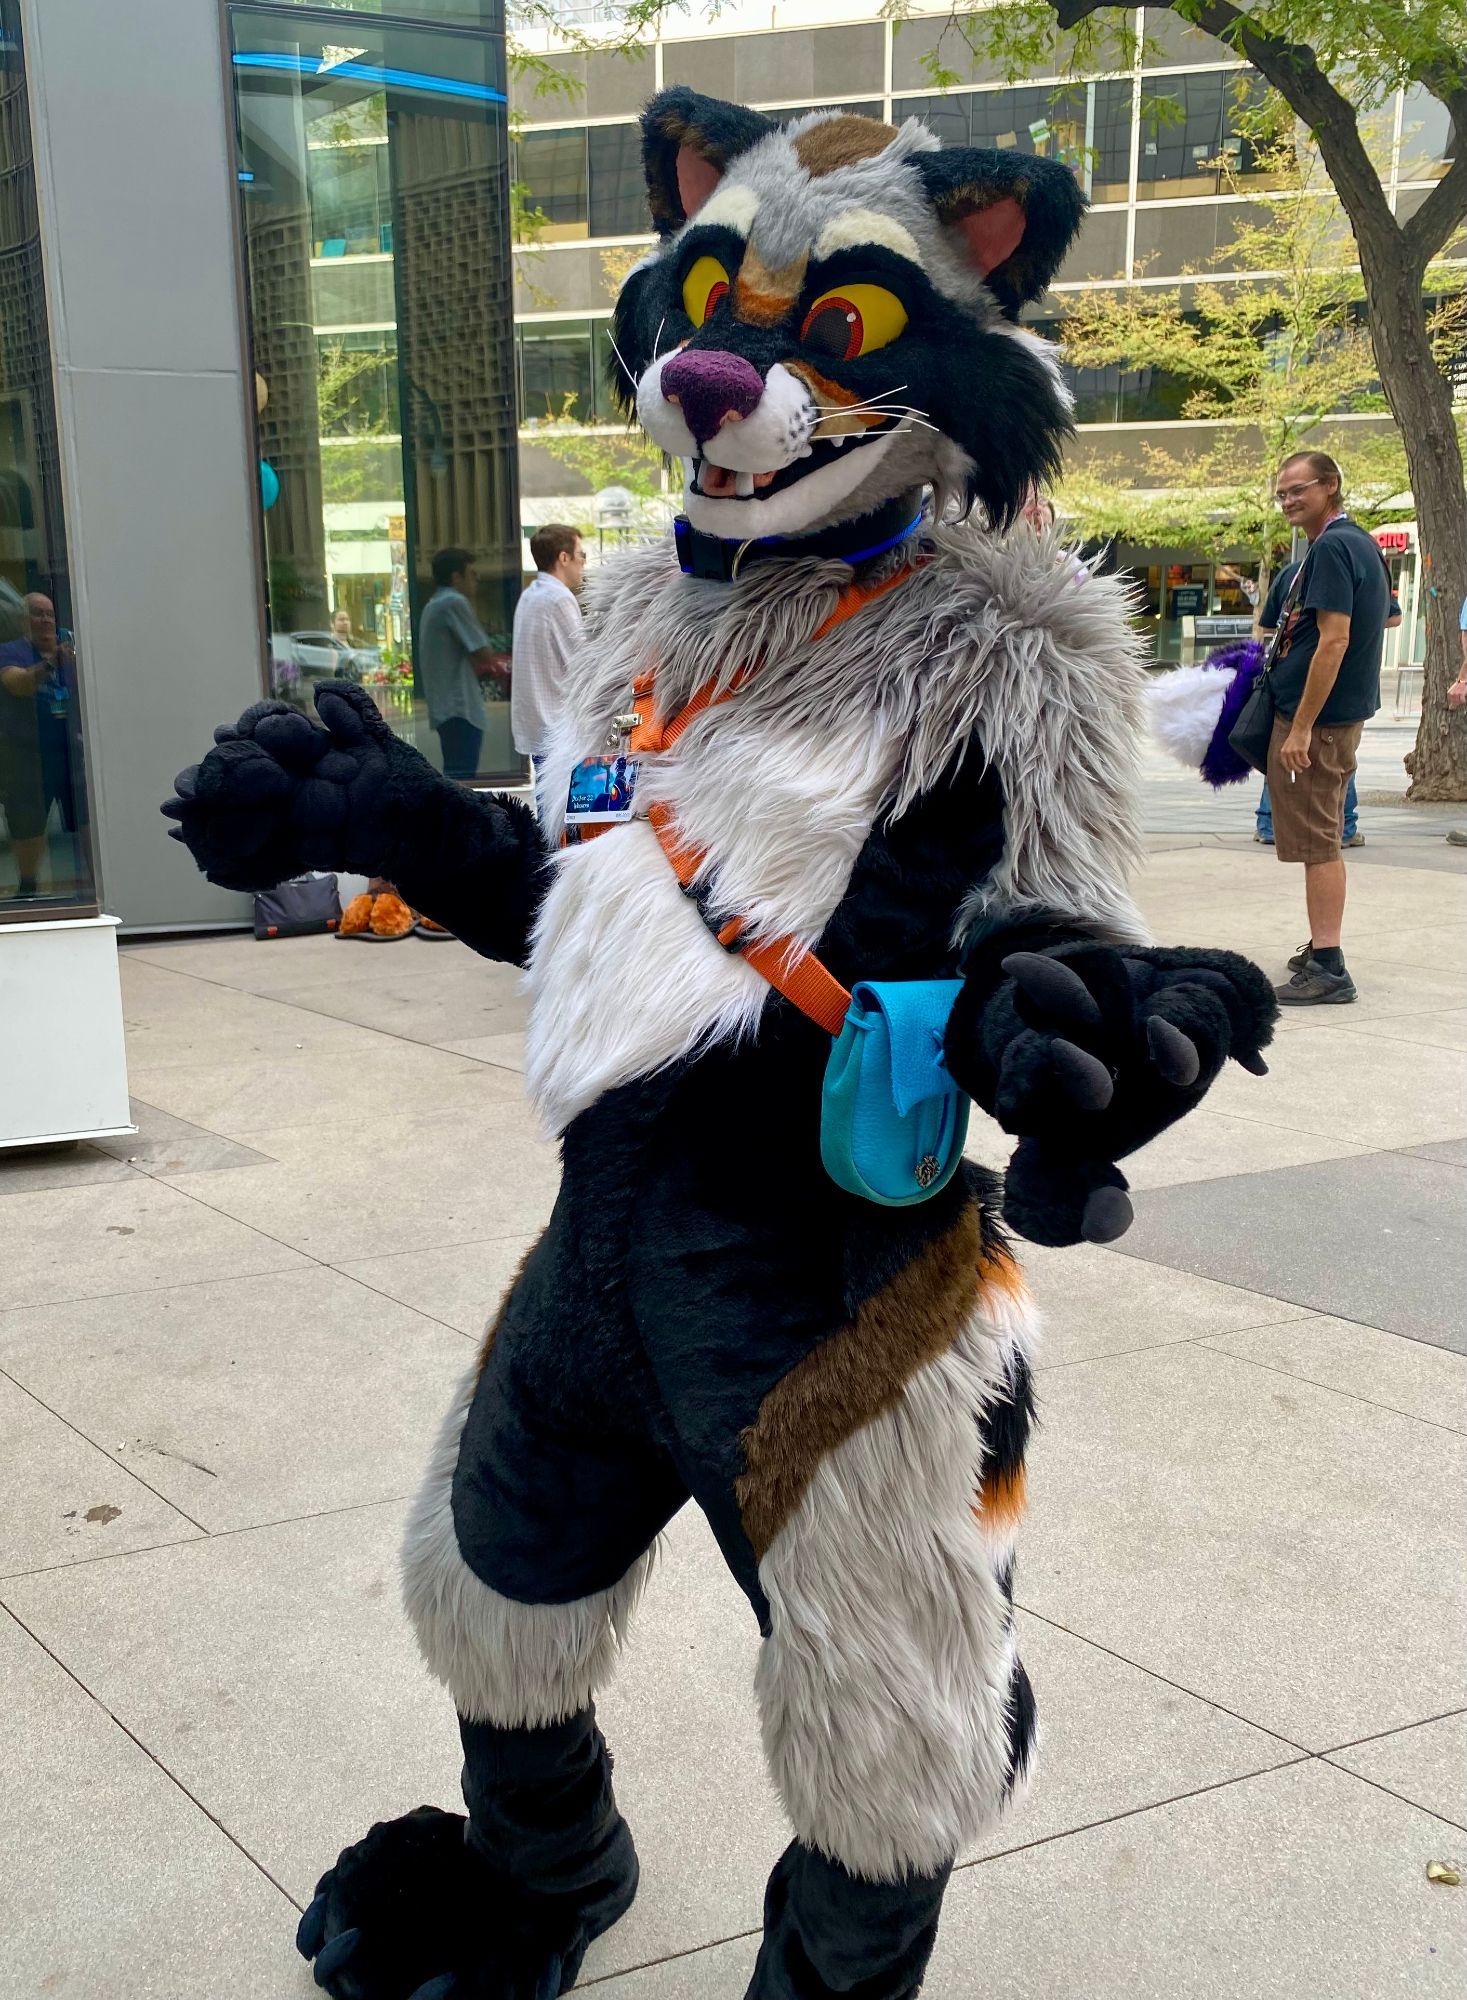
225 1344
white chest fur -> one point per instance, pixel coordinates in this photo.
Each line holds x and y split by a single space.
624 975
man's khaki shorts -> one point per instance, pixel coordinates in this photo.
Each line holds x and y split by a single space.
1309 813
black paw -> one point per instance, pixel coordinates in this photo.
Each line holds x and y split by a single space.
410 1912
278 795
1054 1200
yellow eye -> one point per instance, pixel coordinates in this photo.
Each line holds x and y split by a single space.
705 284
852 320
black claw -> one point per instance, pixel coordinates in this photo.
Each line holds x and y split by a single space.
441 1988
175 833
186 784
226 733
1108 1214
311 1929
333 1956
1084 1079
1173 1053
1250 1060
172 809
1052 985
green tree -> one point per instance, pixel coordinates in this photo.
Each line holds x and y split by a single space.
1333 62
1266 365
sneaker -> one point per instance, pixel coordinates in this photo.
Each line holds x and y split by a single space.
1301 957
1314 986
1264 839
1355 840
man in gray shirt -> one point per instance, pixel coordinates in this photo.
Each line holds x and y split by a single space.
454 655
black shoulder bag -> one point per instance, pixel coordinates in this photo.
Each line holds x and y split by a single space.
1252 733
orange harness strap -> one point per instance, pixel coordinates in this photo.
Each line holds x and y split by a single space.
786 964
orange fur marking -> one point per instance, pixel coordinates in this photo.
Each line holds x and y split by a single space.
1002 1500
834 423
762 297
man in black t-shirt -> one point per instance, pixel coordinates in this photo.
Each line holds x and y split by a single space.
1326 685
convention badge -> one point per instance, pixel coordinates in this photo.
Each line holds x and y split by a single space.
601 791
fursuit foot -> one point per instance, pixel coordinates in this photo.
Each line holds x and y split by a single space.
410 1912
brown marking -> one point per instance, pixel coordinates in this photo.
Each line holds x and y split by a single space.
834 423
1002 1499
855 1376
763 297
842 142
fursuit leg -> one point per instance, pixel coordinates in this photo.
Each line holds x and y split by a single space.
525 1553
897 1719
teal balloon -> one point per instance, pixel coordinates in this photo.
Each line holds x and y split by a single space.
269 485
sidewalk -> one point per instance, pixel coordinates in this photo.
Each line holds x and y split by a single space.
224 1347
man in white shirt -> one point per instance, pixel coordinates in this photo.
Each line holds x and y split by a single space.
454 655
547 629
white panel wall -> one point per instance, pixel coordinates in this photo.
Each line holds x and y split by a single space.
135 162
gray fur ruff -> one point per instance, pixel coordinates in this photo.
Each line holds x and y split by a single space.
1002 639
520 1665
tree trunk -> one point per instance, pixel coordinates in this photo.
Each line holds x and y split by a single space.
1421 402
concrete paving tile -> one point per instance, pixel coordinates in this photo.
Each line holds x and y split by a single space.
1454 1151
25 1169
1211 1144
164 1145
127 1236
1438 946
414 990
240 1099
63 1500
1298 1882
271 1672
1427 1765
1241 1533
175 1019
404 1184
251 1400
507 1051
1359 1088
1381 1239
1094 1302
462 1286
1406 1375
98 1842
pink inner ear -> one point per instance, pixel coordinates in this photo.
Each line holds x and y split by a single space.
993 233
696 179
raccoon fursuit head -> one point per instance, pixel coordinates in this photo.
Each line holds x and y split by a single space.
880 734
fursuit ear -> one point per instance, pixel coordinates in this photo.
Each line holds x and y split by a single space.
1011 217
687 142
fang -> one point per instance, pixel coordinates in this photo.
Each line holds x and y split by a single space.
744 486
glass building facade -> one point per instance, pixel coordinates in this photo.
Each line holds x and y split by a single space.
46 861
373 177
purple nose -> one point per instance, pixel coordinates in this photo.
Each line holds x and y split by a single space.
712 388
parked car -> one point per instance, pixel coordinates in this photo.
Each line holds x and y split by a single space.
299 659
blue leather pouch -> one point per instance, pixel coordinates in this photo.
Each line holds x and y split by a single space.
892 1121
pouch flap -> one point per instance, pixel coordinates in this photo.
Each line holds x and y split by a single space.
915 1013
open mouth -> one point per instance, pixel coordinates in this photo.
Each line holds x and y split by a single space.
720 482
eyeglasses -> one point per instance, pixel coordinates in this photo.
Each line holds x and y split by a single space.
1292 492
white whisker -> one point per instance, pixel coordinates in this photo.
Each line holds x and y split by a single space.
658 335
618 353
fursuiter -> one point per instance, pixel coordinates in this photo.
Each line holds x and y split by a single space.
874 742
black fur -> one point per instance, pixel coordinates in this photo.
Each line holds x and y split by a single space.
716 131
830 1936
963 179
277 796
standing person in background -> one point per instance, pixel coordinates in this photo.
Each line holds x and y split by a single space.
547 630
341 626
454 655
1265 625
1326 686
1456 696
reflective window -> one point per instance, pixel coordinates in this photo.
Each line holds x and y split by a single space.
556 372
374 198
618 184
1426 137
1086 125
45 842
1192 134
553 170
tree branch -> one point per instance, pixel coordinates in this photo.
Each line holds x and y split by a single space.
1431 227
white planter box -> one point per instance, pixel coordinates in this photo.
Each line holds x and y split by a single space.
63 1067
